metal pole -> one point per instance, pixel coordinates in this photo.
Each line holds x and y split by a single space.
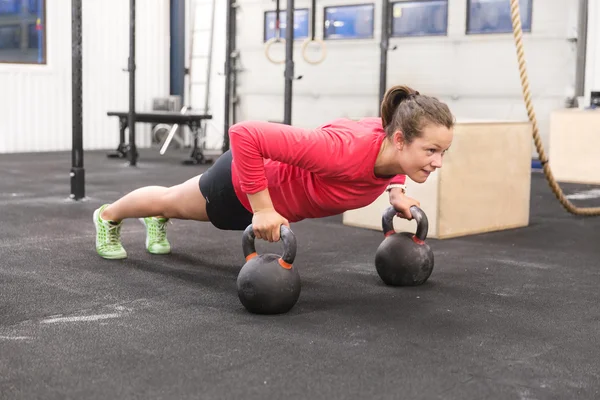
228 50
581 48
385 44
234 67
77 170
177 42
131 67
289 62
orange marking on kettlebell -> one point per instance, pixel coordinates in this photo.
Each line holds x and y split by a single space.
417 240
251 256
284 264
389 233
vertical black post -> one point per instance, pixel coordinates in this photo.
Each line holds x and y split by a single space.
289 62
384 45
177 53
230 22
131 67
77 170
234 66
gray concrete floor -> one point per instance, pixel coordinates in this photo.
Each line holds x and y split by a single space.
505 315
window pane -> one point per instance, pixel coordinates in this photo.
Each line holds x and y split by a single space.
349 22
420 18
33 6
22 31
33 36
8 7
493 16
300 24
10 37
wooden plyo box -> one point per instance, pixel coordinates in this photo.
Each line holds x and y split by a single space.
483 186
573 146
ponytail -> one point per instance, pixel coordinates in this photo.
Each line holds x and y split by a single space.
392 99
406 110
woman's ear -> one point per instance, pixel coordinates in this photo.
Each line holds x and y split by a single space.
399 140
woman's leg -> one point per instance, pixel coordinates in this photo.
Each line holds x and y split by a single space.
183 201
154 206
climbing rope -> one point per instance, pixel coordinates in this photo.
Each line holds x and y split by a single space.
518 35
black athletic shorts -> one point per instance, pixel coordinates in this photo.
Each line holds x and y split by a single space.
222 204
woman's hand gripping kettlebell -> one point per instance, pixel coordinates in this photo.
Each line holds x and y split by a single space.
267 223
402 203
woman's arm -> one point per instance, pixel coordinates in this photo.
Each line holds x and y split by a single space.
253 141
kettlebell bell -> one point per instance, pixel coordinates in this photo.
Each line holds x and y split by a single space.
403 258
269 283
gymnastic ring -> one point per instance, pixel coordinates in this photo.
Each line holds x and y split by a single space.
268 45
321 45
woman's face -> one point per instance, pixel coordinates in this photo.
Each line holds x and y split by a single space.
424 154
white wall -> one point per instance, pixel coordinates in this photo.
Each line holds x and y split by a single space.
35 106
35 109
477 74
483 80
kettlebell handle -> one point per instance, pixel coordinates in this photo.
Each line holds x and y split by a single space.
287 237
387 221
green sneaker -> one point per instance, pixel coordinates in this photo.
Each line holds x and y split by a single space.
156 235
108 237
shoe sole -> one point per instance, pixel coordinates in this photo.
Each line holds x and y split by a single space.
146 242
95 217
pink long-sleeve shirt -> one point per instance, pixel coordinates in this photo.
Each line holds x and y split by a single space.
310 173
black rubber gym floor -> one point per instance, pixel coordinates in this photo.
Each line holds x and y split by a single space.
505 315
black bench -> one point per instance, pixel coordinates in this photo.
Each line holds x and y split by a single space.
193 121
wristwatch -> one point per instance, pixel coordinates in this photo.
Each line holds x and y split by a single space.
396 185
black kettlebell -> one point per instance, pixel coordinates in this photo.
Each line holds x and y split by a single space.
269 283
404 259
